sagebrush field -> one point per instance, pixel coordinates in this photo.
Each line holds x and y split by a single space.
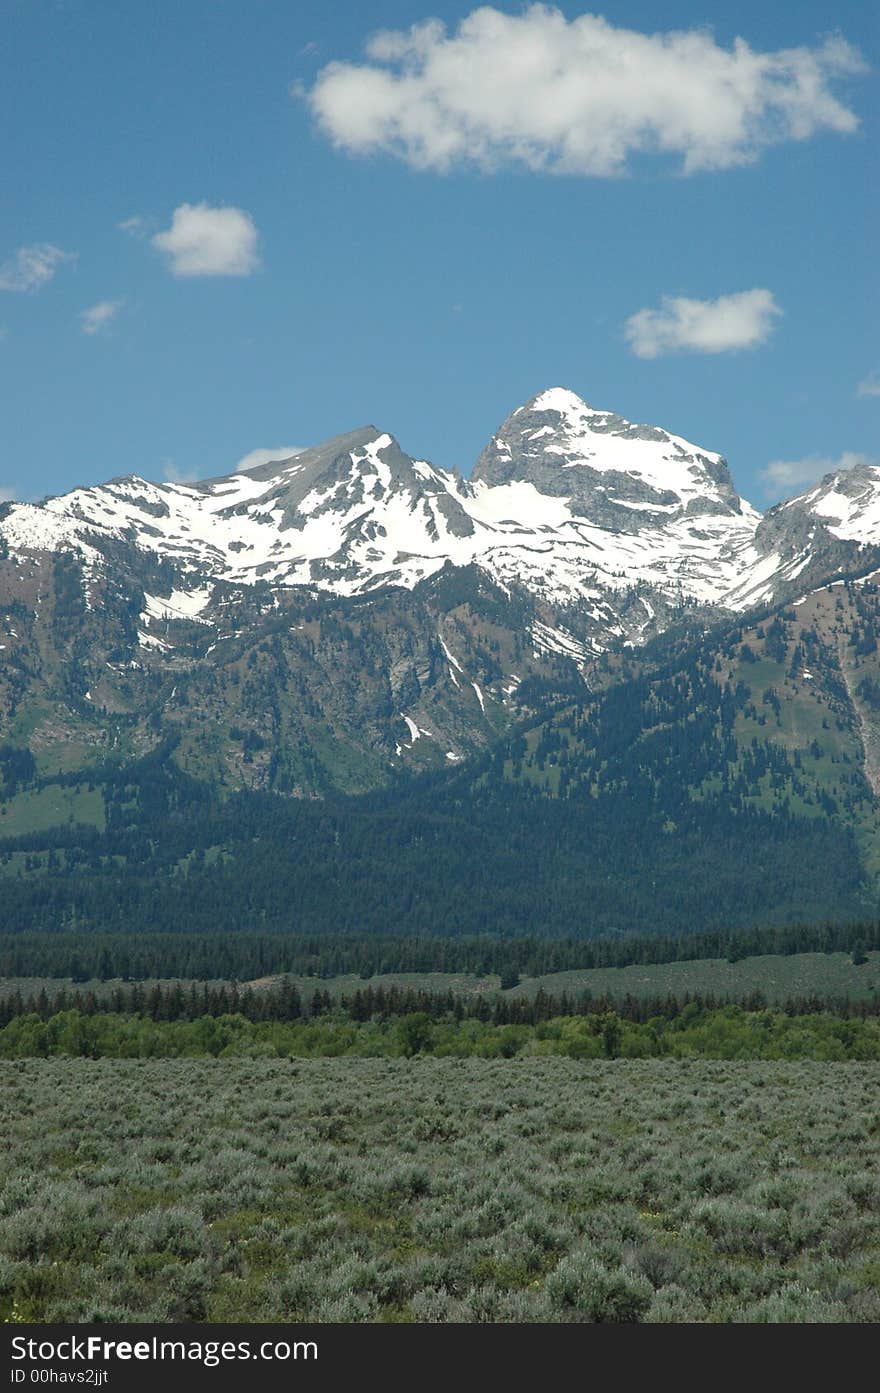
439 1190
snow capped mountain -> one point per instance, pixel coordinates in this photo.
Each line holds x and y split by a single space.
832 526
846 503
340 516
613 525
642 513
618 475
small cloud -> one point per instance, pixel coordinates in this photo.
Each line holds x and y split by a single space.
32 267
578 97
7 494
743 320
781 474
869 386
135 227
175 475
257 457
206 241
308 50
96 319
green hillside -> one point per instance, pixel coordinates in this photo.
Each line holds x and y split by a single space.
727 783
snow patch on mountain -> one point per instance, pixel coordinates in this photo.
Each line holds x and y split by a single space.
549 639
180 604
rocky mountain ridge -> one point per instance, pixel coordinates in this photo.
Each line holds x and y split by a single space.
578 506
351 609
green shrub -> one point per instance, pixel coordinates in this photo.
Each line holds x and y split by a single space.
595 1293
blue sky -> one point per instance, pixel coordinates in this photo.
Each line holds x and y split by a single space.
309 249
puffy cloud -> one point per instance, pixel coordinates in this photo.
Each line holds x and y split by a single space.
869 386
99 316
735 321
575 96
258 457
206 241
788 474
32 267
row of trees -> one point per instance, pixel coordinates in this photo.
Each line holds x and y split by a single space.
180 1002
728 1033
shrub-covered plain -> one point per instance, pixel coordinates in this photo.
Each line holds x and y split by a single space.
439 1189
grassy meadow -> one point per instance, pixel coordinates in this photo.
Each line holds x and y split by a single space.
439 1189
778 976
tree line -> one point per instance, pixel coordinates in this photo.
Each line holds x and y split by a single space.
726 1033
137 956
189 1002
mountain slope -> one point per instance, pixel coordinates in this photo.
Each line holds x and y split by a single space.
731 782
776 715
297 690
729 788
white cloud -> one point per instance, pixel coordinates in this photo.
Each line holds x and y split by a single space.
206 241
135 226
32 267
99 316
575 97
258 457
788 474
869 386
6 494
735 321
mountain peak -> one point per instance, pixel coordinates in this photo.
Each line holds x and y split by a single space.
350 441
560 399
622 475
845 502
